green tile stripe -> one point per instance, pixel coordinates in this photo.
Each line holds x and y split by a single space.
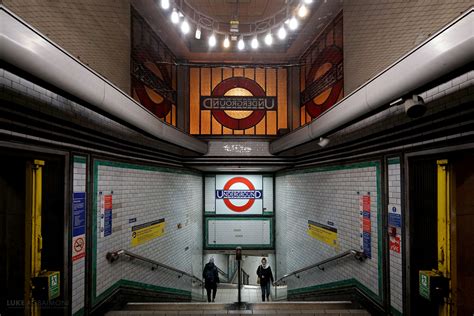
79 312
80 159
394 161
94 298
141 286
263 246
329 168
107 293
334 286
395 311
154 288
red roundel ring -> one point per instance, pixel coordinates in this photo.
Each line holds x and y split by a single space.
238 82
333 55
247 205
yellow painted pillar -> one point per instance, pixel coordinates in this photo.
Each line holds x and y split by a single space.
33 238
444 230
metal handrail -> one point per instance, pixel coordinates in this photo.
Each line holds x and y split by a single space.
115 255
222 272
356 254
245 276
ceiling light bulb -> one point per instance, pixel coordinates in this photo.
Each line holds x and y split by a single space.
269 39
308 1
241 43
185 27
212 40
282 33
226 42
293 23
198 33
174 17
302 11
165 4
254 43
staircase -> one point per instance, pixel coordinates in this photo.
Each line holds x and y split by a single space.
334 308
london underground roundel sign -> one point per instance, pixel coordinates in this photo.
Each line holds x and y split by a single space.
241 195
254 105
324 82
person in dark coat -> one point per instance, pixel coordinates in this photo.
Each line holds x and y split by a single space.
211 278
265 275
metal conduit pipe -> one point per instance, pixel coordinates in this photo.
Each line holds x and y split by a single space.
27 49
446 51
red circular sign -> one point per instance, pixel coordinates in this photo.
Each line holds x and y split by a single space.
248 184
331 55
238 82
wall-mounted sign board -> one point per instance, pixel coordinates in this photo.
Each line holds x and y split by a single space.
233 232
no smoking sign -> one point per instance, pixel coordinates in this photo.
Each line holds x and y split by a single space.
78 247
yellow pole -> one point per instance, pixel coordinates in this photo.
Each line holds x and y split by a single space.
444 224
33 231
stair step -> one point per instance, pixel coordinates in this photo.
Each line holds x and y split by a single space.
303 305
334 308
331 312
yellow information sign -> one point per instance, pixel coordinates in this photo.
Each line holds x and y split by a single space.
324 233
145 232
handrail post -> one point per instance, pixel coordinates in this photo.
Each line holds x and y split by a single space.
239 282
238 257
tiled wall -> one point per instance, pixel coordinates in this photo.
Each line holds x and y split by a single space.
377 33
78 265
95 32
328 195
142 194
32 97
448 95
396 268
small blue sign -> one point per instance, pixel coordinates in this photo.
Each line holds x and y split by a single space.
78 213
367 244
132 220
107 222
394 220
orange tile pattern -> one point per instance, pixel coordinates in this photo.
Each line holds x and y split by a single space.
204 79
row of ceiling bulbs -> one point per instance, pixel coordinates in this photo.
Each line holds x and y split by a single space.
292 24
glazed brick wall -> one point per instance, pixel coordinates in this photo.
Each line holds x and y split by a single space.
78 266
149 194
323 195
396 268
95 32
377 33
